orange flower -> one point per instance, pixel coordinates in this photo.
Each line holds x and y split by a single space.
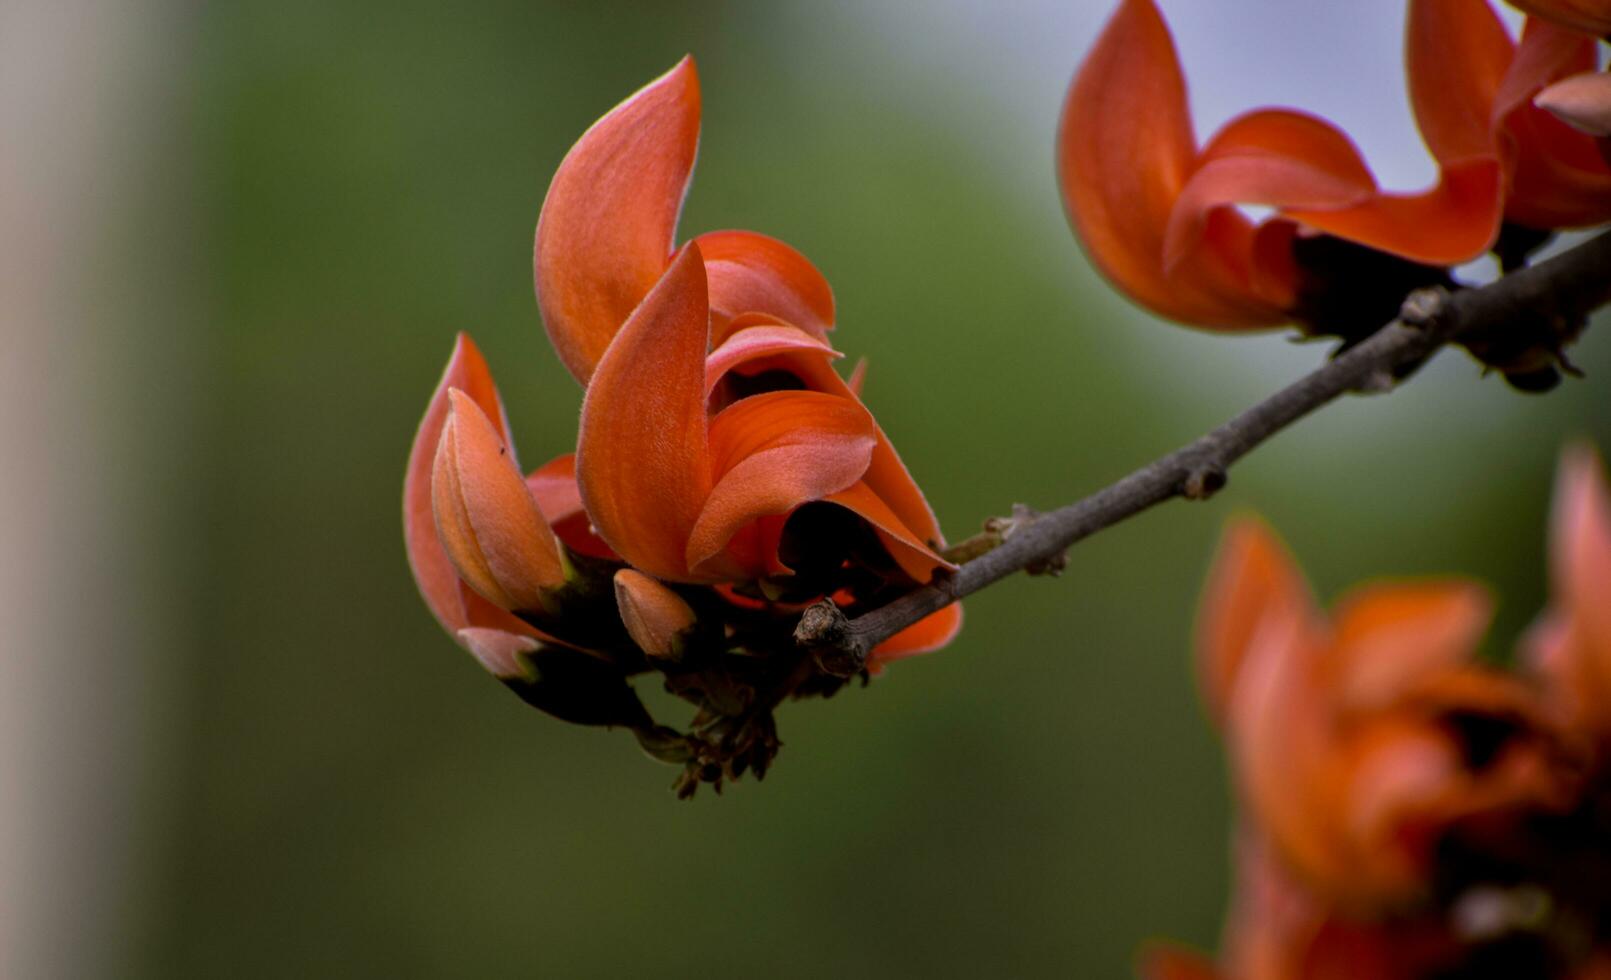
713 422
1472 89
1357 739
1404 814
1157 212
679 493
1592 17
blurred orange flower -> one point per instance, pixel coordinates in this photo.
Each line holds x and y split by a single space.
1404 813
1357 737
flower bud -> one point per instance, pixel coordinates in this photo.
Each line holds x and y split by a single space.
657 618
486 519
1581 101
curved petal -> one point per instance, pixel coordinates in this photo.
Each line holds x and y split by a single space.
1399 771
751 343
887 476
754 273
1591 17
1253 577
607 224
1558 176
1580 533
486 519
1278 729
1454 222
914 557
928 634
1277 157
773 452
1390 637
1456 54
553 486
1125 149
642 458
1582 101
499 635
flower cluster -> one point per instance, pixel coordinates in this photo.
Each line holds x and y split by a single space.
1160 214
725 476
1407 812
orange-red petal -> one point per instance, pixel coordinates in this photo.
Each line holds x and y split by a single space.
1456 55
904 544
770 453
492 634
1391 637
1591 17
643 460
1253 577
1312 172
607 224
553 486
1276 157
751 343
486 519
1452 222
754 273
887 476
1125 149
1558 176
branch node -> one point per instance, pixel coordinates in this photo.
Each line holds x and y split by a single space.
1022 516
1423 307
1203 482
825 631
1377 382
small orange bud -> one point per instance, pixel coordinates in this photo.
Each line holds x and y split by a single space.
486 519
657 618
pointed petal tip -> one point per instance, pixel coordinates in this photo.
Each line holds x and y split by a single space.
487 522
1582 101
438 582
1252 576
498 651
609 219
1581 522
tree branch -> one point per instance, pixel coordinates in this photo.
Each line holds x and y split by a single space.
1556 294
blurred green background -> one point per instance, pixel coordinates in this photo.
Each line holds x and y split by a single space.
326 786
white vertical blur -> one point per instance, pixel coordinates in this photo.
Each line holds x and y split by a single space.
82 119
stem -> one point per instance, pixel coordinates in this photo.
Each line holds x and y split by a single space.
1560 291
